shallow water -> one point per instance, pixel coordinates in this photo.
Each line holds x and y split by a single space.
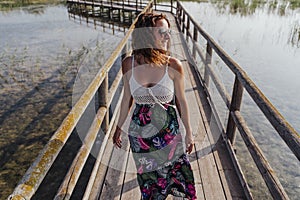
42 50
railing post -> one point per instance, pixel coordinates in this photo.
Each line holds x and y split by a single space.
236 100
102 98
179 15
171 7
195 40
207 62
187 28
183 23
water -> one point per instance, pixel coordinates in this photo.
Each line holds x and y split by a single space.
42 50
265 42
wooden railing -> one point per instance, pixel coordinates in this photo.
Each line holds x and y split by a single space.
138 5
38 170
233 103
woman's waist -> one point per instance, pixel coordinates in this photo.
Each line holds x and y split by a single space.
149 99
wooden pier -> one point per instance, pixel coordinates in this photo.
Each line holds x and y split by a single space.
217 171
115 10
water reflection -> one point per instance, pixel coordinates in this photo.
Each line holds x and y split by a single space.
294 39
79 15
36 10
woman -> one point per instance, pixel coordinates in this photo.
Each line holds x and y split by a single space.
154 81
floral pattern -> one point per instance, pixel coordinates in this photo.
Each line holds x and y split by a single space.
159 153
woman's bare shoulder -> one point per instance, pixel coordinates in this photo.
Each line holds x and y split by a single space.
176 65
127 64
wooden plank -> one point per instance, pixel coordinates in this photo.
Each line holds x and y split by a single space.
198 130
113 183
196 125
126 7
212 186
102 170
131 188
232 185
268 174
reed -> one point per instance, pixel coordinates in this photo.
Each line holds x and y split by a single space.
11 4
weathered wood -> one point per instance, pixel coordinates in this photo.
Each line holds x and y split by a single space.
208 59
131 189
235 185
36 173
102 171
188 34
237 95
232 186
183 23
102 98
68 185
195 40
112 5
112 188
102 149
261 162
228 178
220 87
198 131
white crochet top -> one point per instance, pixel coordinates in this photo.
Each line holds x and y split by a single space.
161 93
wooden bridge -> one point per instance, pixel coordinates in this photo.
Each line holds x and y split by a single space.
218 173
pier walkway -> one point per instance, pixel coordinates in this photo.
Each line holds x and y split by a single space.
217 171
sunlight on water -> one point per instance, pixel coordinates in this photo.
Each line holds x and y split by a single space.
265 43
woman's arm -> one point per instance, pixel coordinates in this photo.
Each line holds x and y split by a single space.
181 103
126 101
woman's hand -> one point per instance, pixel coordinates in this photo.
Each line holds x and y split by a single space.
189 142
117 137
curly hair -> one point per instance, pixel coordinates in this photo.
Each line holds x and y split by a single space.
143 41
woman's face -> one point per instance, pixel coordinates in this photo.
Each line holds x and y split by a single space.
162 34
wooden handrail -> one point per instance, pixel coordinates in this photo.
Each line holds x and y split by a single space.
272 181
38 170
242 81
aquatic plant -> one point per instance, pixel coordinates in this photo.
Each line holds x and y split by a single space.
295 36
248 7
11 4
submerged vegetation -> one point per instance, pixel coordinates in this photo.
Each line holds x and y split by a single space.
248 7
295 36
11 4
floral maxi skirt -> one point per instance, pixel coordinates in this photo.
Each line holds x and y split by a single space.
159 153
